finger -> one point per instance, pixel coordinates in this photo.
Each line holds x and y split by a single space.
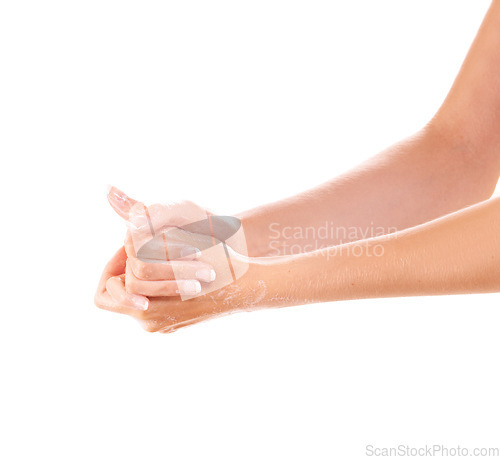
134 285
123 299
120 202
173 270
115 266
104 300
159 248
175 235
129 245
147 222
174 214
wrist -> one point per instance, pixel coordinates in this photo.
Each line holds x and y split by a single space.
335 273
269 276
285 280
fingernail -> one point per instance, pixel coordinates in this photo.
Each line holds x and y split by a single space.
206 274
118 201
186 252
190 287
140 302
111 190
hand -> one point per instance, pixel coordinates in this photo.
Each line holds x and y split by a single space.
171 248
167 263
146 222
167 314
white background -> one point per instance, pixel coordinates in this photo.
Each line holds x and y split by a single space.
231 104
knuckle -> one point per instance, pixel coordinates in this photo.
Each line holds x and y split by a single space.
131 285
142 270
156 210
136 216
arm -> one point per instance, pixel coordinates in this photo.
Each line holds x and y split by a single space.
455 254
452 163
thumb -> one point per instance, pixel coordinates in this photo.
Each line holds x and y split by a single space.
120 202
136 215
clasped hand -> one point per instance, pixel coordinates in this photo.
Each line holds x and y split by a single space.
179 265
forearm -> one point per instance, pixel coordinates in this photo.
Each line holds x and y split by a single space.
452 163
456 254
417 180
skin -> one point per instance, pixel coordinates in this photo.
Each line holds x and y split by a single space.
427 192
451 163
455 254
169 313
